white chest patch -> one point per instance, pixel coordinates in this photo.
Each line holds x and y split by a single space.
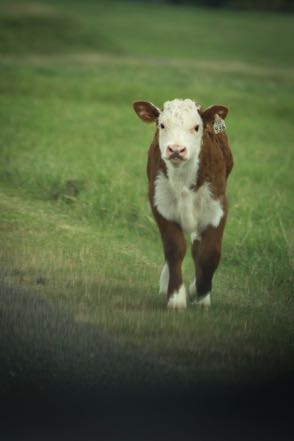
192 210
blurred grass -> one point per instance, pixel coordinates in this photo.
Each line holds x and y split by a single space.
75 226
146 29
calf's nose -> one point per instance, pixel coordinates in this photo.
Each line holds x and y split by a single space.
176 150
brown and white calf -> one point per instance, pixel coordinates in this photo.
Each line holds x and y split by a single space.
189 161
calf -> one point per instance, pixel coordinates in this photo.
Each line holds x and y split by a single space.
189 161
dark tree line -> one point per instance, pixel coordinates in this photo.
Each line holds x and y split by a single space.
270 5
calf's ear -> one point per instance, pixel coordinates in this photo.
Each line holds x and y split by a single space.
209 114
146 111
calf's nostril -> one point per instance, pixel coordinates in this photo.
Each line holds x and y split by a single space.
182 152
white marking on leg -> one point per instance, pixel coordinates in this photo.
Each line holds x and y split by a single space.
205 302
192 289
164 279
178 299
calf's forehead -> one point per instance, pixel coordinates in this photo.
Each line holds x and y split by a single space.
180 112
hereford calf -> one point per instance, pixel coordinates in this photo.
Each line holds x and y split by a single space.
189 161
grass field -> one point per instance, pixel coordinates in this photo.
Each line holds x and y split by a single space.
75 229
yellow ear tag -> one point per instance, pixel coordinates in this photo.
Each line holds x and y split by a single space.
219 124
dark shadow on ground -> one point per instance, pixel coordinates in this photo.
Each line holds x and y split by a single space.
62 379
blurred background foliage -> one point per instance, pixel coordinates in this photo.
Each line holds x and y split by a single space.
265 5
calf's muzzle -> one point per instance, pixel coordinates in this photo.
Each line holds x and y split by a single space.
176 151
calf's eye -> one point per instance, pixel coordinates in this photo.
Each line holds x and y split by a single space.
162 126
196 128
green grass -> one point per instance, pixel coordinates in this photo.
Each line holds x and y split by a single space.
75 228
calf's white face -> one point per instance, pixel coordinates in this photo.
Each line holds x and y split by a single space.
180 131
180 128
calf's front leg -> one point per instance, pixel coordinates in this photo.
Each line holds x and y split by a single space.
174 247
206 254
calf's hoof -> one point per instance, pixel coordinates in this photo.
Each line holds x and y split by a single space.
204 302
178 300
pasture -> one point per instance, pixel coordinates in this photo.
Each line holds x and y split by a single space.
76 232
